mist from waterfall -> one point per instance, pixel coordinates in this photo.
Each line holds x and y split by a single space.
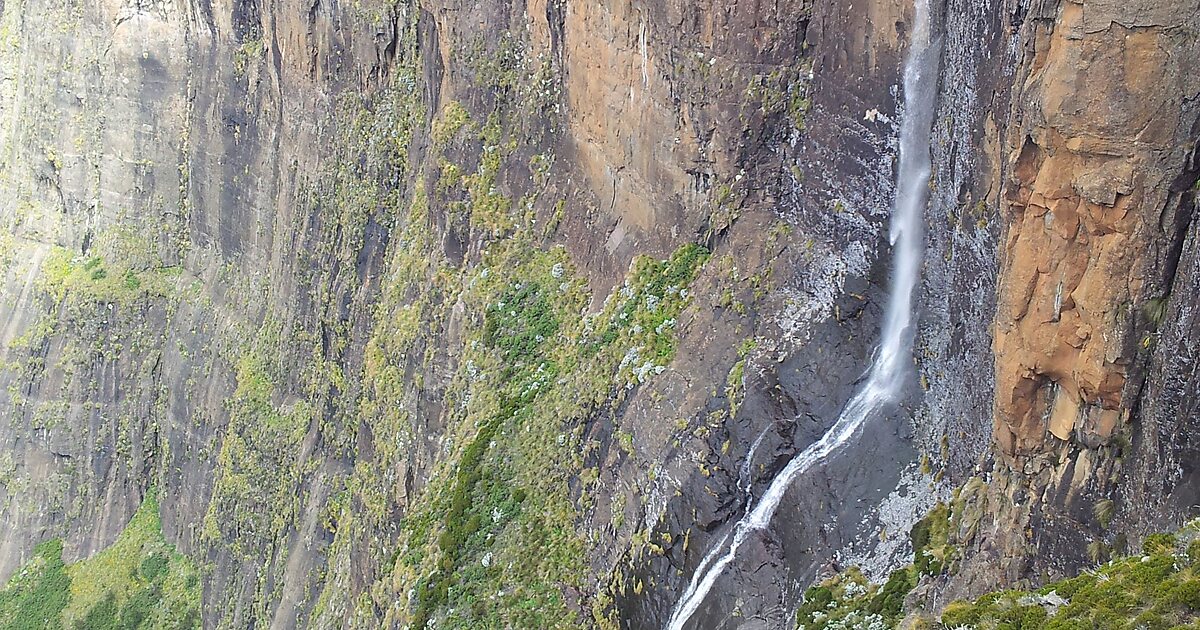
892 358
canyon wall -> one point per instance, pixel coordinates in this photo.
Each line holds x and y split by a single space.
1098 167
474 311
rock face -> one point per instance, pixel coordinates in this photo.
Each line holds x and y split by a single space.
1100 164
474 311
1096 162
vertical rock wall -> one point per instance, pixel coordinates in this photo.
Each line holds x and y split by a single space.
1095 164
254 255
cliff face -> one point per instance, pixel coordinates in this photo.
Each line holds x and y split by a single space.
474 311
1099 162
1099 167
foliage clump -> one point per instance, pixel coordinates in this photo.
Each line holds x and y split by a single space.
534 368
140 582
932 552
35 597
849 600
97 279
519 323
1158 588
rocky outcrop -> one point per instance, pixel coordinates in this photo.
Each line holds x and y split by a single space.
1101 139
1098 166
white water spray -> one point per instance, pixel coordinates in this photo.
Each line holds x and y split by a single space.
886 376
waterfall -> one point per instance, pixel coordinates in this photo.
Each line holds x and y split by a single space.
886 375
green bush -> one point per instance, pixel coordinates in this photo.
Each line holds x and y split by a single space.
961 614
1022 617
929 537
521 322
102 616
36 598
154 566
1151 621
1187 594
889 602
1068 588
137 581
815 599
138 607
538 367
1193 552
464 518
919 536
1159 543
1063 623
1151 592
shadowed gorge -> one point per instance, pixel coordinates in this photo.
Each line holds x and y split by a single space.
634 315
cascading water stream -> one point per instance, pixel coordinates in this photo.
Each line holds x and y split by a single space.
886 376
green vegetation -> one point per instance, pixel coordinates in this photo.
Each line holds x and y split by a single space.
474 357
655 294
518 325
140 582
849 600
248 53
466 525
258 464
453 119
531 374
1156 310
1156 589
476 195
1103 510
96 280
783 93
35 597
932 551
491 540
303 393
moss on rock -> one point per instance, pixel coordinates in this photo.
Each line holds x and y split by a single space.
140 581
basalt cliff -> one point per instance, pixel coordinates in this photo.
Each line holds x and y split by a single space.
426 313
